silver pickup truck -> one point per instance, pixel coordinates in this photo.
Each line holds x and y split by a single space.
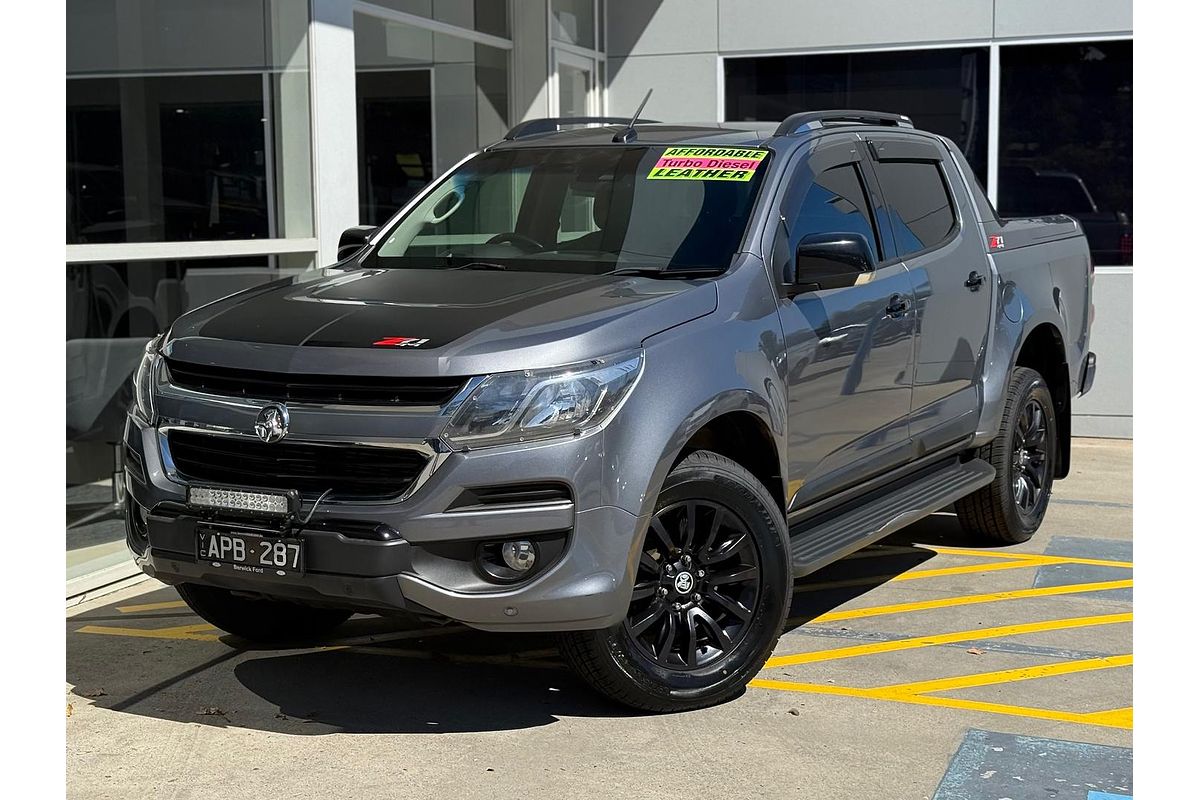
623 382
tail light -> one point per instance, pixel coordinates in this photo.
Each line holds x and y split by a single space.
1126 248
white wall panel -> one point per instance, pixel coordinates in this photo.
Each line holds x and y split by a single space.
685 86
1107 409
808 24
1062 17
648 27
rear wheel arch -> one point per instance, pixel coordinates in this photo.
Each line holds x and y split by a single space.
1043 350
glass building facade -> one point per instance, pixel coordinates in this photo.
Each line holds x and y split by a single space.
211 147
1064 130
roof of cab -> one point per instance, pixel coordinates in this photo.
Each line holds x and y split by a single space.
593 131
727 134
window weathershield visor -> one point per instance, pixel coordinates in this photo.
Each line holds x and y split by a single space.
542 404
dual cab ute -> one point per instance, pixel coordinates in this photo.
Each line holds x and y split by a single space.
620 382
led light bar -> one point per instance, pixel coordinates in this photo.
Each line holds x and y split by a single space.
240 501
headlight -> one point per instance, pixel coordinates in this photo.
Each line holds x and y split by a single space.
143 380
540 404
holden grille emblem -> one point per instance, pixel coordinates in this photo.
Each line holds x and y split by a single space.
272 423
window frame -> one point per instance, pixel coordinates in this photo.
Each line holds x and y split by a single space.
841 148
913 149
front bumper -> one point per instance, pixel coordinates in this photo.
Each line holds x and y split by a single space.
425 564
585 588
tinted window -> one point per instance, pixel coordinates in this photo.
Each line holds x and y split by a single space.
1066 139
944 90
919 206
834 202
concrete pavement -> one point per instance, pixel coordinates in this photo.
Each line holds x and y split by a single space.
903 670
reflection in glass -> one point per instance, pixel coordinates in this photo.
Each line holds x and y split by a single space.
574 22
187 121
113 310
206 178
942 90
1066 139
572 91
485 16
425 100
395 140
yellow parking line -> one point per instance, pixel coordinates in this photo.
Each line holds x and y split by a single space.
945 638
962 551
189 632
1108 719
922 574
966 600
151 606
1008 675
1115 717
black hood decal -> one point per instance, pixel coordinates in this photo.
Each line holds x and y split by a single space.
361 308
433 322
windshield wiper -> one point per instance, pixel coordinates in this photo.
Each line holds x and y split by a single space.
654 272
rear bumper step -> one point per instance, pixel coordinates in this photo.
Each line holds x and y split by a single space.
822 542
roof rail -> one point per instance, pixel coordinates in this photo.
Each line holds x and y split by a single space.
807 120
551 124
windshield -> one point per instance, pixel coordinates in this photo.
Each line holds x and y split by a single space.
587 210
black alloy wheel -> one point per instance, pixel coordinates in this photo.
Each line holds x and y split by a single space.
1031 457
711 588
697 585
1024 452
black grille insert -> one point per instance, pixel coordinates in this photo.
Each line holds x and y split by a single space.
326 389
518 494
351 471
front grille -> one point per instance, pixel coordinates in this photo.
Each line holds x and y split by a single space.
351 471
325 389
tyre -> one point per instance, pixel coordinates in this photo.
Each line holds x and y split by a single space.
713 588
1010 508
260 620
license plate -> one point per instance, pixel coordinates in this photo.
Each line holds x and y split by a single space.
243 551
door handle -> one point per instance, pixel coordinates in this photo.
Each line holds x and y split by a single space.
974 281
897 306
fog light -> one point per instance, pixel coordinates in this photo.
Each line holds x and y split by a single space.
519 556
513 561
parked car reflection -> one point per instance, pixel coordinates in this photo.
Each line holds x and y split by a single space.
1031 191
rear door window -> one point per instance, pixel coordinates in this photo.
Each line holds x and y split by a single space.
918 202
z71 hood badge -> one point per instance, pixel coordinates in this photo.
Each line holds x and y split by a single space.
400 341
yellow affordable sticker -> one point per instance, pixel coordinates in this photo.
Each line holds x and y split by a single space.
707 164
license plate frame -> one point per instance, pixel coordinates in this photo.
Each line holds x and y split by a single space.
250 552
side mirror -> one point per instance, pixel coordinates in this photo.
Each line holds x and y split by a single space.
353 240
832 260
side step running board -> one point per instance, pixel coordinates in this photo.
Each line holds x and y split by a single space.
820 542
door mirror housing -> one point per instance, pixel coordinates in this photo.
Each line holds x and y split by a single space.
353 240
831 261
